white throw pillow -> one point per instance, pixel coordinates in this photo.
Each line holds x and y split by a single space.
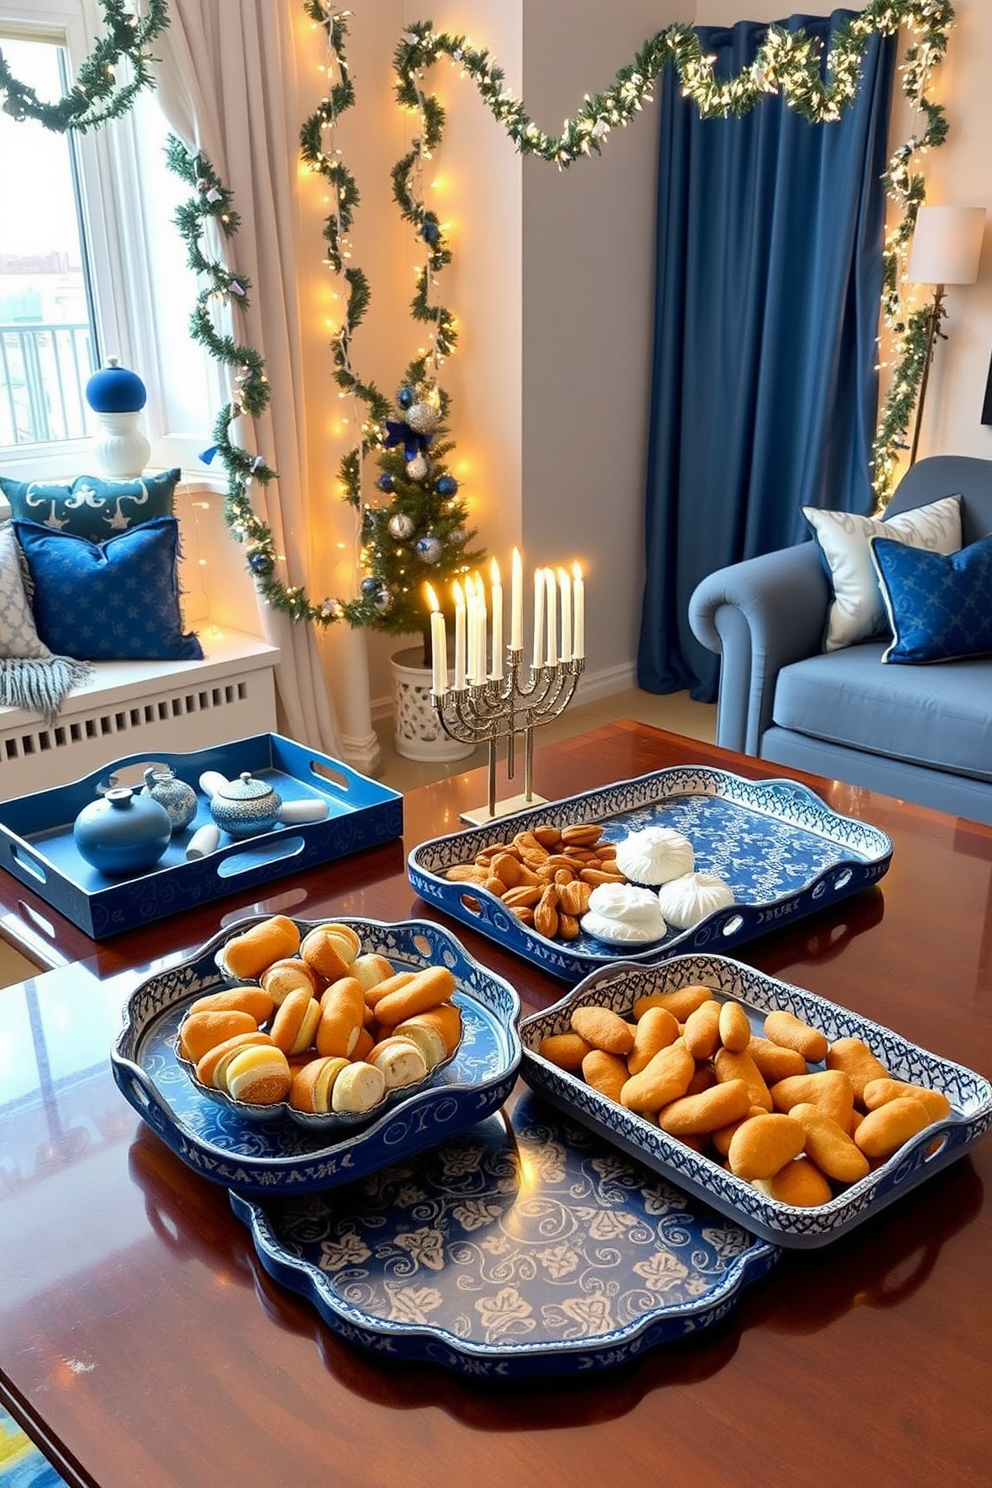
18 635
857 611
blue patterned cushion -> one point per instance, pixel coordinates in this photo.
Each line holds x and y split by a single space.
939 606
111 601
90 506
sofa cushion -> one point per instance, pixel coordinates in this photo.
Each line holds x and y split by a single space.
92 506
935 715
856 611
939 605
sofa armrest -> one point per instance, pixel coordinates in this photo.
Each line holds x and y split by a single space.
759 615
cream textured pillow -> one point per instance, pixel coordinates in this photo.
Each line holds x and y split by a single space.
18 636
857 611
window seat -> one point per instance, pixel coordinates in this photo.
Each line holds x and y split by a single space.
130 707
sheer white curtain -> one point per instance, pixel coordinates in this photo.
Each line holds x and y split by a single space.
227 84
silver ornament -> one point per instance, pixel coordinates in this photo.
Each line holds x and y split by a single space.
430 549
417 468
401 526
423 418
383 601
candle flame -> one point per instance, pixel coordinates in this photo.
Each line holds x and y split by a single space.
576 570
494 573
432 598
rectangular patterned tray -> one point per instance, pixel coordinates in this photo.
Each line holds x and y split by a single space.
37 845
783 852
618 988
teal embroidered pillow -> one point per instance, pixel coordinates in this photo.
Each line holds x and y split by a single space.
112 601
939 605
92 506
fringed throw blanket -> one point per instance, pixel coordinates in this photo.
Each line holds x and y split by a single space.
40 684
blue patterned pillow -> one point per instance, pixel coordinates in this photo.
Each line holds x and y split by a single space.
939 606
111 601
92 507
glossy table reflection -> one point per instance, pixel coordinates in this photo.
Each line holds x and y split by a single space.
140 1341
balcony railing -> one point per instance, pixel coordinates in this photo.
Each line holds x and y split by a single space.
44 369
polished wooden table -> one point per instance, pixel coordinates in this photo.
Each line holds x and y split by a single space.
141 1342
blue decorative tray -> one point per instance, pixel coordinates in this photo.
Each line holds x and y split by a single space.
37 845
526 1246
281 1155
620 986
781 850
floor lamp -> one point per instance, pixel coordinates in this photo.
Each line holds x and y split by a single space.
946 248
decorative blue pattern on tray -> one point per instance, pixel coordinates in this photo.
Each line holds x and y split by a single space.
524 1246
38 848
282 1155
620 986
781 850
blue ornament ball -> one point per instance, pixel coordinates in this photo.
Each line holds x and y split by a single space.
385 481
369 586
447 486
261 563
405 397
429 549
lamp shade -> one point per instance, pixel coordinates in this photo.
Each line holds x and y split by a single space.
947 245
115 390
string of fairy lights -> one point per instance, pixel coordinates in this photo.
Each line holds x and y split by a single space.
788 63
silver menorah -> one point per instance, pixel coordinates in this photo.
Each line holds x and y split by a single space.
503 707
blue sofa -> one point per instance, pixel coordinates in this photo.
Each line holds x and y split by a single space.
922 733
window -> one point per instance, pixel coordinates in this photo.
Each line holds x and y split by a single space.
91 264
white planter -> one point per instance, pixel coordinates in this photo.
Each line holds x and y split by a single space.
417 733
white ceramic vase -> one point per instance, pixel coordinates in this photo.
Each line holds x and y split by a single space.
417 733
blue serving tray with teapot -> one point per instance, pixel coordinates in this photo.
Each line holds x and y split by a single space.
37 846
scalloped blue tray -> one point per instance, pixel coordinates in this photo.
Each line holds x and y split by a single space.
783 852
281 1156
619 988
526 1246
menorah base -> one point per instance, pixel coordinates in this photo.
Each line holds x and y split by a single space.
480 816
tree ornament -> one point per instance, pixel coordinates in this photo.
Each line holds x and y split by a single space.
369 586
383 601
423 418
417 468
401 526
332 609
430 549
385 482
457 537
406 397
447 486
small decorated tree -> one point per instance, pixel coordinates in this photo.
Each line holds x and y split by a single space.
418 534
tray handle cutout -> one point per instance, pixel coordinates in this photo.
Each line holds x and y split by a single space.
260 854
22 854
326 776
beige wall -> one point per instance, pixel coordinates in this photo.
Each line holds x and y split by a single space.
552 284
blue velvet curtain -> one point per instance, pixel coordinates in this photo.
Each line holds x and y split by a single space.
764 389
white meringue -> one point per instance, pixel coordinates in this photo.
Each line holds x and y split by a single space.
654 855
617 901
624 932
687 900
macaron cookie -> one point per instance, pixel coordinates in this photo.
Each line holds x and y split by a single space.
358 1088
313 1084
259 1075
295 1023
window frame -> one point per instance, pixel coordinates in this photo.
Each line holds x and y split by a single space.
116 231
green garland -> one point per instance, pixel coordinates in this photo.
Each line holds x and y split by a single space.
95 96
789 63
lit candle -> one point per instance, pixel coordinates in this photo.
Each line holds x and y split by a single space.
516 602
578 613
565 593
477 634
537 659
439 645
459 636
551 590
497 599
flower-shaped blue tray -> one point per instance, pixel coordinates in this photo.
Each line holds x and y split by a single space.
620 986
783 852
525 1246
281 1155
